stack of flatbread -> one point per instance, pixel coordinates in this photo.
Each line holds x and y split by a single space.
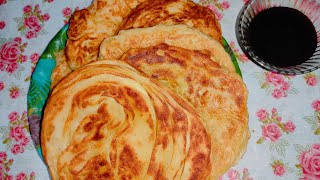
144 90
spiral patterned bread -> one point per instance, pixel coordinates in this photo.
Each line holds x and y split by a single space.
107 121
220 97
170 12
175 35
88 28
61 70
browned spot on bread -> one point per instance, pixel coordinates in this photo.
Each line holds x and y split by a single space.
170 12
138 99
129 163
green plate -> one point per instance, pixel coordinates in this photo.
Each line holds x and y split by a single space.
41 81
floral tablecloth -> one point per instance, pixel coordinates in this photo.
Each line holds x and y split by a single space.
284 110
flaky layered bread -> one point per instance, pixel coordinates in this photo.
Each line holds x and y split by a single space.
170 12
220 97
88 28
61 70
107 121
175 35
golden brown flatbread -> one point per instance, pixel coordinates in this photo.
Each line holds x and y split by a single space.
171 12
61 70
88 28
220 97
107 121
175 35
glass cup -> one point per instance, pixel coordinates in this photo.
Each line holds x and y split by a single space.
311 8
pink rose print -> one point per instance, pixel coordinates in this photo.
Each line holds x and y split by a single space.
34 58
14 93
1 85
18 40
49 1
216 7
219 16
245 1
262 114
9 177
312 81
279 170
233 174
289 126
5 165
25 141
16 149
66 11
272 132
46 17
13 116
316 105
2 24
310 162
277 85
17 133
11 68
240 56
274 78
10 52
21 176
24 58
27 9
273 129
314 120
3 2
3 156
277 93
11 55
225 5
31 35
285 86
32 22
2 66
14 136
316 147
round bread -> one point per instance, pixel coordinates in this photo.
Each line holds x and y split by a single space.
220 97
61 70
170 12
107 121
88 27
175 35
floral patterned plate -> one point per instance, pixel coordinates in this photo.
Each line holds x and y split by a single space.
40 82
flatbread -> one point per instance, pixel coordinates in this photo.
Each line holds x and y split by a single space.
61 70
171 12
107 121
88 28
175 35
220 97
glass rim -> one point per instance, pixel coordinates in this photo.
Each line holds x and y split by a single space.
313 63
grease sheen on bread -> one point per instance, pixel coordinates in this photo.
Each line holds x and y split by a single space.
175 35
171 12
219 96
88 27
107 121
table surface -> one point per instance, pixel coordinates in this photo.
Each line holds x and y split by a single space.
284 110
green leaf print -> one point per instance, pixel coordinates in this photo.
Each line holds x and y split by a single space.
18 19
299 148
260 140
